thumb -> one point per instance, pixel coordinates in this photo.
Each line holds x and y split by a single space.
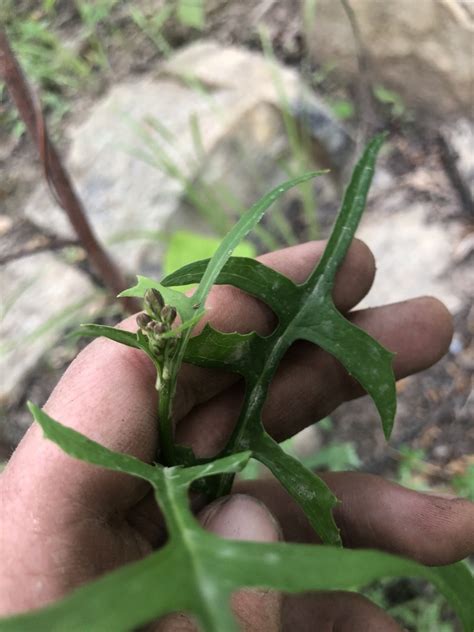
240 517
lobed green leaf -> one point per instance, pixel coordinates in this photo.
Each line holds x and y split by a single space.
196 572
184 304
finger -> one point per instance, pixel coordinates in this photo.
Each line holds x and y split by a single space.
375 513
108 392
311 383
335 612
239 517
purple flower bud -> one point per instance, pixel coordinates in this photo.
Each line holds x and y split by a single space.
153 302
168 314
143 320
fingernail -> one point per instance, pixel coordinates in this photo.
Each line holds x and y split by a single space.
206 515
240 517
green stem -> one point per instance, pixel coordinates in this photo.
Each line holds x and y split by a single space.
166 397
256 395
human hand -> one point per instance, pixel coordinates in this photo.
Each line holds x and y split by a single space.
64 522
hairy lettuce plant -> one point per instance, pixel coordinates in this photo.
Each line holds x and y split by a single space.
197 571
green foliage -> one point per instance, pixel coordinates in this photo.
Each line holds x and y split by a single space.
93 15
191 13
413 604
335 456
423 615
342 108
185 247
391 99
44 58
196 572
54 69
411 468
153 26
464 483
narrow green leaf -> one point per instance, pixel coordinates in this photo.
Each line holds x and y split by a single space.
241 230
232 463
363 357
248 275
118 335
292 568
118 601
307 489
80 447
348 219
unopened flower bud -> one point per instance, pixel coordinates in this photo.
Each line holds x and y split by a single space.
143 320
157 328
168 314
153 302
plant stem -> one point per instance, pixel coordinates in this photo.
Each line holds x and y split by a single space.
56 175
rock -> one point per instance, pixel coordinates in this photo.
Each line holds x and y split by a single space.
41 295
211 120
413 257
458 156
422 50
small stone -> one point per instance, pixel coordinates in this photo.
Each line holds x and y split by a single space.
37 306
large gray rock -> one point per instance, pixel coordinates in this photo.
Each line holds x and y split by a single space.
212 118
414 256
422 49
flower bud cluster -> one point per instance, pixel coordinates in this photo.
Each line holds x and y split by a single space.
156 320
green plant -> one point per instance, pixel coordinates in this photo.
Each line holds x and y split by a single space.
342 108
153 25
93 15
191 13
422 611
463 484
411 467
334 456
54 69
391 99
197 571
